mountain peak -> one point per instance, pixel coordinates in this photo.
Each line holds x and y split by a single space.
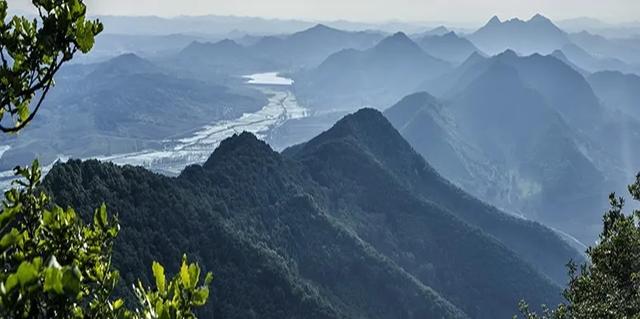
494 21
395 41
239 145
508 54
128 58
364 115
473 59
319 29
539 18
227 42
411 104
450 35
441 30
400 36
558 54
364 122
128 63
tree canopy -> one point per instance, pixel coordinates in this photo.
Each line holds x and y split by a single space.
53 264
33 50
609 285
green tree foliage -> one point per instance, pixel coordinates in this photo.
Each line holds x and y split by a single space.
608 286
32 52
52 264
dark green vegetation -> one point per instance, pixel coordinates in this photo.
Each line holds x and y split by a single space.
350 224
607 286
52 264
56 266
32 52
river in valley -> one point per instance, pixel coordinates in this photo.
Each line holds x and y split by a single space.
196 147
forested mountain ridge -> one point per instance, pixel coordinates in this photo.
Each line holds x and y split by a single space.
327 230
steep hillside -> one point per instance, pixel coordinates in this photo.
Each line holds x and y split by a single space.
503 141
331 230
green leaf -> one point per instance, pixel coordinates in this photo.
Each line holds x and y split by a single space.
208 279
23 111
158 273
8 214
27 273
11 282
194 274
71 281
118 304
200 296
53 280
10 238
184 273
85 37
100 216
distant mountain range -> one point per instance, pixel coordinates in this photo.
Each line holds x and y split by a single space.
537 35
607 48
304 49
587 62
449 47
308 48
352 223
206 60
377 76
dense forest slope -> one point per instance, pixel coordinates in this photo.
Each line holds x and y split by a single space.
352 224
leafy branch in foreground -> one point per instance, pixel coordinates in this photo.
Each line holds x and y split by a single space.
608 286
53 265
33 50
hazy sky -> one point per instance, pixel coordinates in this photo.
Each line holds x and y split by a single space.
474 11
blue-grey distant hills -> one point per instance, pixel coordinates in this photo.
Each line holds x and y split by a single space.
449 47
308 48
618 91
440 30
591 63
212 60
304 49
537 35
624 50
523 133
376 77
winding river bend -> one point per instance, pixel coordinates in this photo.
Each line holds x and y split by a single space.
195 148
198 146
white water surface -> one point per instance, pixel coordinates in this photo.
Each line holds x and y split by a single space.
269 78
